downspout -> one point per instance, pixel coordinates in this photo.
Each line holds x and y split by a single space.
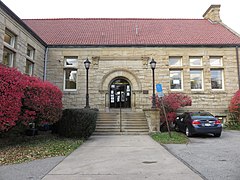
45 64
237 56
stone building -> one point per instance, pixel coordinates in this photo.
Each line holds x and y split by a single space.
198 57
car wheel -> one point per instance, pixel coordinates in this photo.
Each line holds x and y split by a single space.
217 134
188 133
176 127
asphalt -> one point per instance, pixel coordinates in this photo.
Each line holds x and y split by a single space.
215 158
120 157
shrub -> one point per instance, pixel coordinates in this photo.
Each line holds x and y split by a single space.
79 123
234 106
25 99
42 102
11 94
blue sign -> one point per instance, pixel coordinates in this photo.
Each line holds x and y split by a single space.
159 90
159 87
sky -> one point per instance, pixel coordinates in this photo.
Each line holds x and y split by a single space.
194 9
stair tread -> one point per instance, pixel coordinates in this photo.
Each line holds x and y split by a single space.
132 123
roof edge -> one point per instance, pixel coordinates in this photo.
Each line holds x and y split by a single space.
153 45
113 19
230 29
18 20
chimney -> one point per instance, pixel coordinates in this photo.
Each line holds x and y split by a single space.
212 14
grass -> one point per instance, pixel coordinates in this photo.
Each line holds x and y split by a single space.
23 149
163 138
232 125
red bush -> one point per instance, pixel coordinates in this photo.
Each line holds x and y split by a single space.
234 106
42 102
172 102
11 94
25 99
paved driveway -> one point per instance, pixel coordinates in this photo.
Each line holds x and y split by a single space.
121 158
214 158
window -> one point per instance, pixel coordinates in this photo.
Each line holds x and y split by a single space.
29 68
215 61
217 79
195 61
8 57
71 62
30 52
70 79
175 61
70 73
9 38
176 79
216 72
196 78
29 60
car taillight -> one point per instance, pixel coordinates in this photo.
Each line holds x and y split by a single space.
217 122
195 122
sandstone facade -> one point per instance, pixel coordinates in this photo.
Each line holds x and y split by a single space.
132 64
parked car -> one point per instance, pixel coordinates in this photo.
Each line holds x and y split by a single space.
192 123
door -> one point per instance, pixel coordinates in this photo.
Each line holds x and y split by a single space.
120 94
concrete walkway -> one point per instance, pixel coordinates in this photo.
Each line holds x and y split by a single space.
128 157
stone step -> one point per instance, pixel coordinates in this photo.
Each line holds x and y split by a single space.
132 122
120 133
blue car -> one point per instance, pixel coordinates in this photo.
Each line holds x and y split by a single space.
192 123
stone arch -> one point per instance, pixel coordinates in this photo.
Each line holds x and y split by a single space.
120 72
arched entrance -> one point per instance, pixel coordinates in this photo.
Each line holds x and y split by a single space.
120 93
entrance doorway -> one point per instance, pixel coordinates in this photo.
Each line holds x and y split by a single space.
120 93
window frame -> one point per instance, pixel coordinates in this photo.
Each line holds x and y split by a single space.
181 79
195 57
175 57
12 38
32 52
32 67
222 78
202 80
12 53
73 67
216 57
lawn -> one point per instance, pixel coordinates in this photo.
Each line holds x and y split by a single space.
28 148
176 138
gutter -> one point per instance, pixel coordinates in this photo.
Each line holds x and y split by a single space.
45 64
237 56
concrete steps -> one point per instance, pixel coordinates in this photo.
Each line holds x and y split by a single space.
108 123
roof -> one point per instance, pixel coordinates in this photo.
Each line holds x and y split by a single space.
132 32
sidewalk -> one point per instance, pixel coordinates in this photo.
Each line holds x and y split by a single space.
121 158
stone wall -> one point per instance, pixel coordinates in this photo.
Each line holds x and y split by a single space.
133 64
23 39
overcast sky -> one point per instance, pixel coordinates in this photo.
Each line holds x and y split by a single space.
32 9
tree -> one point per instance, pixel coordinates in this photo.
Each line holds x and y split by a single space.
172 102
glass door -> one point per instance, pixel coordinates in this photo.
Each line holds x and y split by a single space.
120 94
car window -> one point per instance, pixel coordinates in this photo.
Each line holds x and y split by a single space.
201 115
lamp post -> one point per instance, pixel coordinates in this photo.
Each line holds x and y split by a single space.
153 66
87 66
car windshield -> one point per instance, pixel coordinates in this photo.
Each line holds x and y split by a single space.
201 115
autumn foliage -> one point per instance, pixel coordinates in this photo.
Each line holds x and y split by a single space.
25 99
172 102
234 106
